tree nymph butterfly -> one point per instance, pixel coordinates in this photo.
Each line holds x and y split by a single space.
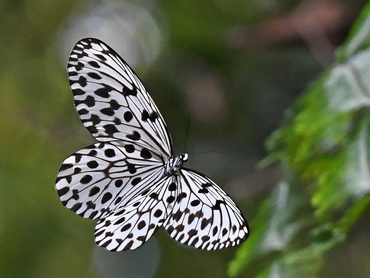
130 179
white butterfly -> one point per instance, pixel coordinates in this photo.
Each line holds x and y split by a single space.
130 180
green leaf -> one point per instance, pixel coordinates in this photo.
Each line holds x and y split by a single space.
348 86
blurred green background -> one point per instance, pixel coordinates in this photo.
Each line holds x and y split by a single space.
223 70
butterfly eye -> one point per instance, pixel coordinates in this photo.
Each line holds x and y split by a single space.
124 180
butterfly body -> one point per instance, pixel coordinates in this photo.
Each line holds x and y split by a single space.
174 164
130 180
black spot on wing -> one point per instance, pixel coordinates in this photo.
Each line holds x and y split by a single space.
93 191
145 153
118 183
63 191
146 116
127 116
129 148
110 129
86 179
65 166
127 92
103 92
134 136
110 153
106 197
135 181
94 75
107 111
94 64
114 105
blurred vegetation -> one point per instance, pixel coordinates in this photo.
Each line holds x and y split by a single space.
232 68
325 186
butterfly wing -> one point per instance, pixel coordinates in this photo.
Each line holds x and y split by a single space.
204 216
130 226
95 180
117 110
111 101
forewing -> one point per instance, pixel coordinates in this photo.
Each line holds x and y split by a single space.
97 179
111 100
204 216
130 226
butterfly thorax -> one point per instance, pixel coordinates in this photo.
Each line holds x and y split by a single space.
174 163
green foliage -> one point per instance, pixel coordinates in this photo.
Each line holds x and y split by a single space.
324 152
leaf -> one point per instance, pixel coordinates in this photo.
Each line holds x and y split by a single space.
348 86
357 172
323 147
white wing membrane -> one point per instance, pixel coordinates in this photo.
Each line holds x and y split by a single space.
204 216
111 100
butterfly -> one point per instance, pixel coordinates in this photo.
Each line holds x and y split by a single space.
130 180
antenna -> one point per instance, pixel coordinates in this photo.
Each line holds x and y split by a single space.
186 140
186 131
210 151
